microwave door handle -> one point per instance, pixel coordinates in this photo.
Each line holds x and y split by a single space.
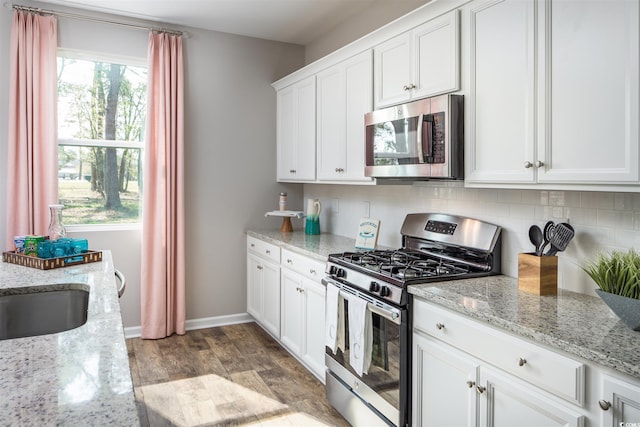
428 143
419 139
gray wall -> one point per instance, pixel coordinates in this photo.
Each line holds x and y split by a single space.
230 112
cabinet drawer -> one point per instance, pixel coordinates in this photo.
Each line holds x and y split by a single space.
263 249
308 267
547 369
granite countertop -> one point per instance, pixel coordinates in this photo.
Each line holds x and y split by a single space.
76 377
318 246
575 323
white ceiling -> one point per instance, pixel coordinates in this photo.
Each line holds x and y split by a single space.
292 21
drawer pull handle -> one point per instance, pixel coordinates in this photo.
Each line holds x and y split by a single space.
289 261
268 252
604 405
259 267
480 389
440 326
253 245
521 361
312 271
470 384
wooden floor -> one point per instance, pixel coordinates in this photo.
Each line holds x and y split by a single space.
228 376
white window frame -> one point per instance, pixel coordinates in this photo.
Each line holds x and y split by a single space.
113 59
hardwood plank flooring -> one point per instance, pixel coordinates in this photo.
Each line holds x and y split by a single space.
233 375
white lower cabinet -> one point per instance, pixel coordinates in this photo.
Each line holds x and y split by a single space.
472 384
263 286
444 383
287 299
452 388
302 332
619 402
506 401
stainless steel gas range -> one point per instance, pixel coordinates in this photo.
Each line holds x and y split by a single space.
435 247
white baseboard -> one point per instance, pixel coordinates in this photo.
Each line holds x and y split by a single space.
206 322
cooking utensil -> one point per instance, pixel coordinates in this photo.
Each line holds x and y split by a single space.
560 236
546 233
536 237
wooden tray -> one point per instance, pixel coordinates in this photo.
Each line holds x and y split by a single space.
13 257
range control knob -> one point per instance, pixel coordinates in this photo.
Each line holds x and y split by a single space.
385 291
332 270
341 272
374 287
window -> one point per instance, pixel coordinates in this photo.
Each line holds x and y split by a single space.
101 123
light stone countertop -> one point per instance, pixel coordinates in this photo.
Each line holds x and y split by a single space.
575 323
72 378
318 246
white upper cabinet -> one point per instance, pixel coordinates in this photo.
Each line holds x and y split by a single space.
344 96
419 63
589 108
296 131
553 94
499 53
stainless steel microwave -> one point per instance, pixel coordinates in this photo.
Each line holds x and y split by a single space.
418 140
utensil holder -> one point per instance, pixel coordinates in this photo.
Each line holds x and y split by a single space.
538 274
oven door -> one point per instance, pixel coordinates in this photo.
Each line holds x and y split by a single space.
385 387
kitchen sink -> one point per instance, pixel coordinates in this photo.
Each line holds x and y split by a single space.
26 312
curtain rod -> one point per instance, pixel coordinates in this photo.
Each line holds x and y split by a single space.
95 19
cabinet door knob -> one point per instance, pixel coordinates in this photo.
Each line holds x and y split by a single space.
289 261
259 267
470 384
539 164
268 252
528 165
604 405
522 361
253 245
440 326
480 389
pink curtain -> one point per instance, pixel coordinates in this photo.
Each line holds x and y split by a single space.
32 152
163 264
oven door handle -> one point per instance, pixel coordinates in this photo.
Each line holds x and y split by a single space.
392 316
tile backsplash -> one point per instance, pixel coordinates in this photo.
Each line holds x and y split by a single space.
603 221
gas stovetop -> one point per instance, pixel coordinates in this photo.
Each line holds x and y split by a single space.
436 247
401 265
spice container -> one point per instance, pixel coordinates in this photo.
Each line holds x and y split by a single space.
283 201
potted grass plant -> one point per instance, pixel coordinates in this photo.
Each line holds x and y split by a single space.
618 278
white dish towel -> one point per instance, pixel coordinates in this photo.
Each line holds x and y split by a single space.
360 336
333 318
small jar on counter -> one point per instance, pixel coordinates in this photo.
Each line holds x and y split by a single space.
283 201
